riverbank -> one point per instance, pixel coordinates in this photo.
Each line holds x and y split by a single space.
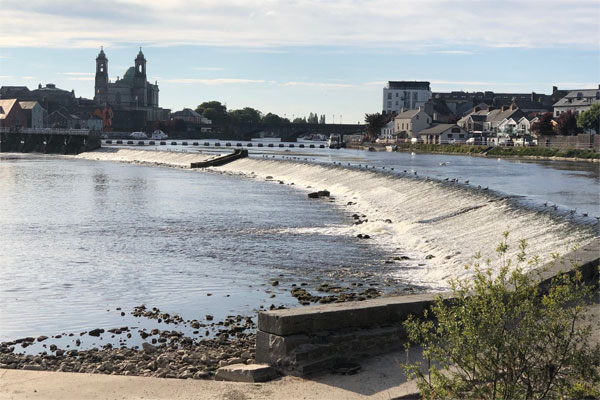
526 153
380 378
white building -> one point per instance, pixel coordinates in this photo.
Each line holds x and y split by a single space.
387 132
577 101
407 95
408 123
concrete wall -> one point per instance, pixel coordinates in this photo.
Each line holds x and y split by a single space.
307 340
581 142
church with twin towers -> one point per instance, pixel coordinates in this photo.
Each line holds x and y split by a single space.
132 92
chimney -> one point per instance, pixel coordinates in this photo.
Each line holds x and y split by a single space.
555 88
532 96
504 108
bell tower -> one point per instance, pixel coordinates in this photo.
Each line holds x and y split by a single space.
139 81
101 86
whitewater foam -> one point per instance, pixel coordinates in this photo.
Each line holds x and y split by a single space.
441 225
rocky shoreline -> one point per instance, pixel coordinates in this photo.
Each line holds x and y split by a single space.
163 354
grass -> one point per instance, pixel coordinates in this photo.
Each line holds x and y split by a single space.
499 151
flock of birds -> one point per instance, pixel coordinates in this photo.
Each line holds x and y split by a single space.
555 207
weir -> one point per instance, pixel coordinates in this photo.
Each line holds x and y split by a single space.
47 140
443 226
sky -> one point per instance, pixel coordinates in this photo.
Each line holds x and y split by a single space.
293 57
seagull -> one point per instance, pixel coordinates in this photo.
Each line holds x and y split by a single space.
572 212
545 204
415 172
467 182
554 206
485 188
584 214
446 179
478 186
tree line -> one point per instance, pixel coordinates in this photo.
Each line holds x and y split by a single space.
220 115
567 123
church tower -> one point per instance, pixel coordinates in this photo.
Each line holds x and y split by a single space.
101 87
140 94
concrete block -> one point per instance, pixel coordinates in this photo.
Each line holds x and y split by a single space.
332 317
246 373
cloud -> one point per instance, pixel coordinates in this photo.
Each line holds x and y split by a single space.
432 25
81 78
218 81
77 73
208 68
319 84
29 77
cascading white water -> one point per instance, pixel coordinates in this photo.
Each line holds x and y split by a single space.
429 218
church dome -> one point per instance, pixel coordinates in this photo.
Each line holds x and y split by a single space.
128 77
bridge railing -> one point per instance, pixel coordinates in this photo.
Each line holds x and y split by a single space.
47 131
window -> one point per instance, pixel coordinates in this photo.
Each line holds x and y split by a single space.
461 135
427 120
396 102
396 94
455 130
449 135
417 117
389 104
389 96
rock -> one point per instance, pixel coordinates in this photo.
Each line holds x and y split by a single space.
323 193
209 317
42 338
275 283
148 348
96 332
53 347
246 373
429 256
33 368
313 195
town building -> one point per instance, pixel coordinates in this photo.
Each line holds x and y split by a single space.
191 116
133 99
11 114
577 101
387 132
489 120
408 123
34 112
443 134
405 95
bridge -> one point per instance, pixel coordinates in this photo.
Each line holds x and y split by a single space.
288 132
47 140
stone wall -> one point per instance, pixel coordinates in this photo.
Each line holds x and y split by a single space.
308 340
19 142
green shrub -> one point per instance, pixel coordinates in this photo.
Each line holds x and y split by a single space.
500 337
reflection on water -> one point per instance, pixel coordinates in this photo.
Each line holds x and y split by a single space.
80 238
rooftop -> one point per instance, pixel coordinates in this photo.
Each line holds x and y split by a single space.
408 85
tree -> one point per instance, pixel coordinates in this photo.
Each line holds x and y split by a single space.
313 118
246 115
504 337
543 126
375 122
567 123
213 110
322 119
271 118
590 119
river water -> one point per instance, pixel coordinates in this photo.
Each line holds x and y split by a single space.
83 239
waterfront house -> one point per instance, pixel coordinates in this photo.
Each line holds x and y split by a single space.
11 114
443 134
577 101
387 132
34 112
409 123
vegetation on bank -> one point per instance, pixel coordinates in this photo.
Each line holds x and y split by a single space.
504 338
543 152
499 150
